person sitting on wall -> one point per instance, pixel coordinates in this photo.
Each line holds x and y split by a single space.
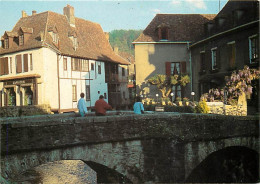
82 106
101 106
138 106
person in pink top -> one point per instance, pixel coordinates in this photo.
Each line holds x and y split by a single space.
101 106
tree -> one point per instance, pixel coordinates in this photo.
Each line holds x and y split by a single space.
165 83
239 82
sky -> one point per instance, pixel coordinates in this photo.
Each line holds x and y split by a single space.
110 14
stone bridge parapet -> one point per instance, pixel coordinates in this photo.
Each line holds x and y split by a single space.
151 134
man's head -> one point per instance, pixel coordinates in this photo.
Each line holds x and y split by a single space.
101 97
82 95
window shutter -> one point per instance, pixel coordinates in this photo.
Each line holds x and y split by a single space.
168 68
6 65
25 62
18 64
2 71
183 67
159 33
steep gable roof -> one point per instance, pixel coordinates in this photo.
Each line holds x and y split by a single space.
92 43
182 27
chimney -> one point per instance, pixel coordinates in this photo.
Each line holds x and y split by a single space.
24 14
116 49
34 12
68 11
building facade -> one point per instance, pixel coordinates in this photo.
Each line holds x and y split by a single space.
49 58
230 41
163 48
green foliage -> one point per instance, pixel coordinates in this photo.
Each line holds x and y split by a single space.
184 80
202 107
165 83
123 39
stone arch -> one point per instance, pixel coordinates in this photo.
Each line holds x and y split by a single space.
231 164
102 154
196 152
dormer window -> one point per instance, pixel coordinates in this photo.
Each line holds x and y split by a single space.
163 32
75 43
55 38
21 39
6 43
73 37
54 34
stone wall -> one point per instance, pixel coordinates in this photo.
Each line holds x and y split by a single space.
144 148
236 110
16 111
220 108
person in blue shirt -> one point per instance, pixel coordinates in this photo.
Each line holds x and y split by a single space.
138 106
82 106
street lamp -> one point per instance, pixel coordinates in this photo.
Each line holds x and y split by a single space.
172 96
157 98
192 94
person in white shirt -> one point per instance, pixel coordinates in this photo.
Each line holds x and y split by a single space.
138 106
82 106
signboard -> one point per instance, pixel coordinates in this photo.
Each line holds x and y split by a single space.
159 109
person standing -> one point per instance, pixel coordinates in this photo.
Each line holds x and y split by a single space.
101 106
82 106
138 106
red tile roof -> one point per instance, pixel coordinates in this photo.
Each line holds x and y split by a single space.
92 43
182 27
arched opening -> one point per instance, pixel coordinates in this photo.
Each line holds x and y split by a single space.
11 97
229 165
62 171
28 97
107 175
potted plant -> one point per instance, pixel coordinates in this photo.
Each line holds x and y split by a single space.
178 101
185 101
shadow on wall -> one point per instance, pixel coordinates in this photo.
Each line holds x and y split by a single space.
107 175
229 165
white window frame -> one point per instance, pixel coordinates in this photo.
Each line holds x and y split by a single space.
250 47
214 58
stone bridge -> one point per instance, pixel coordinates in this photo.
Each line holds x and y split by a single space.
150 148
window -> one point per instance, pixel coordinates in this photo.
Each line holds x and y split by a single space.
75 65
6 43
25 62
87 92
202 62
163 33
84 65
74 93
21 39
253 49
92 66
175 68
4 66
214 58
75 43
31 62
18 63
64 63
55 38
123 71
99 69
105 95
232 54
